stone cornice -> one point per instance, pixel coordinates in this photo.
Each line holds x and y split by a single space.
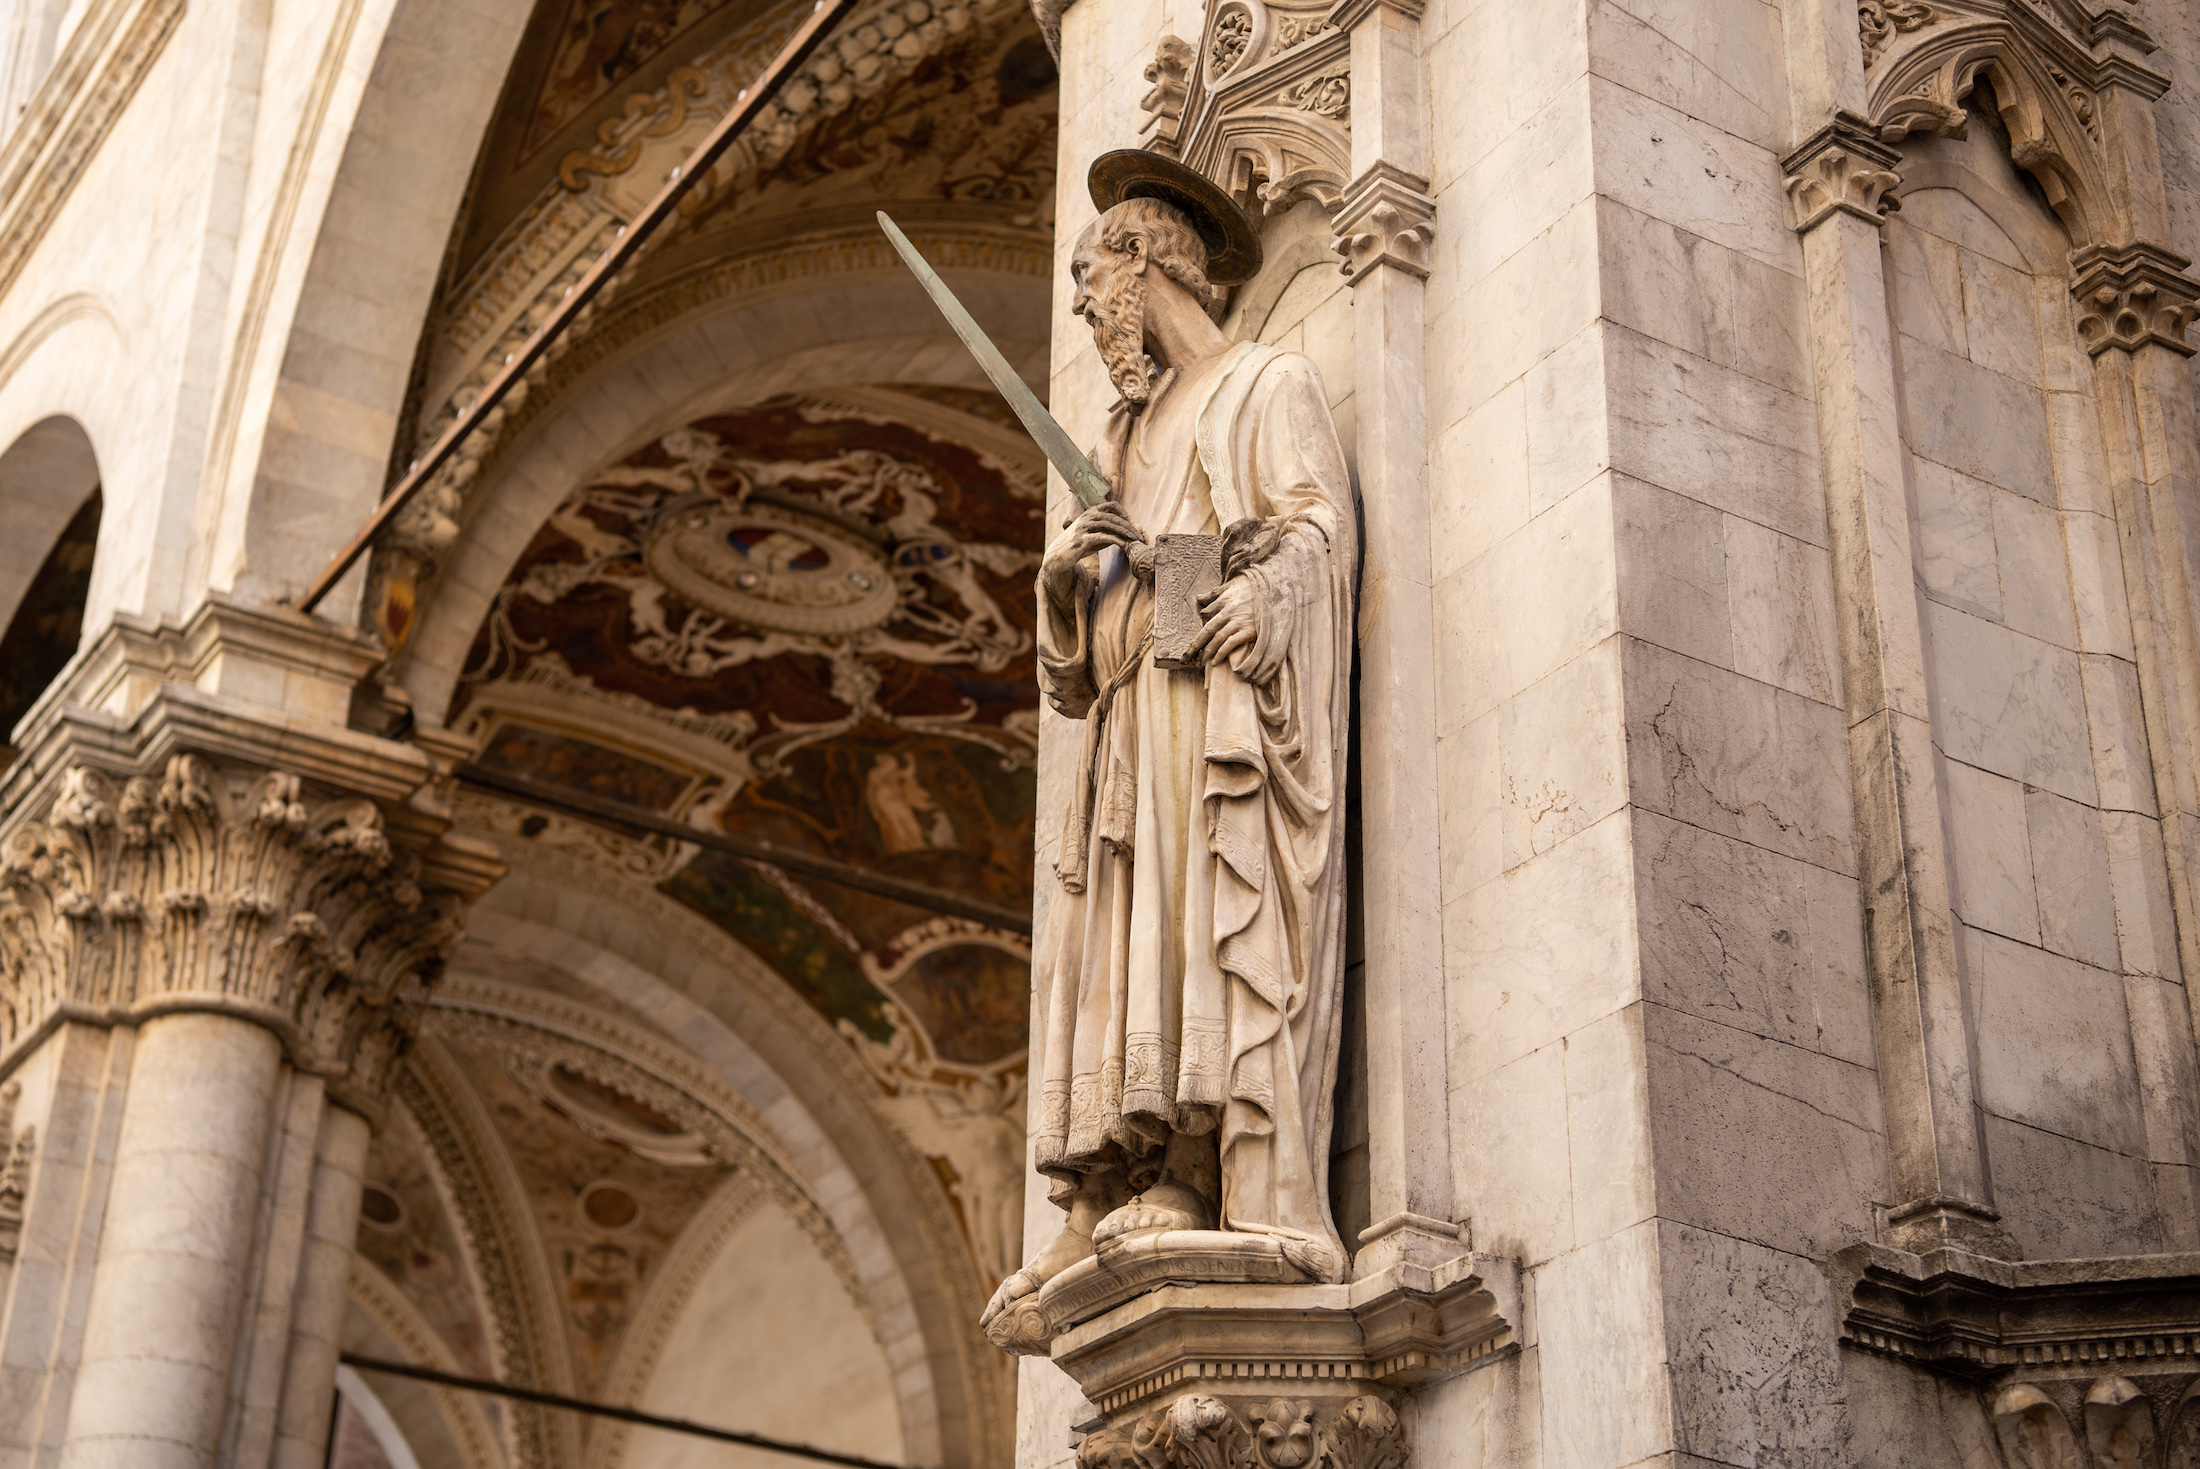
1972 1316
93 78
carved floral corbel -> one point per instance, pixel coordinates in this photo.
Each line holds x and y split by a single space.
1197 1431
2133 296
1841 169
1385 221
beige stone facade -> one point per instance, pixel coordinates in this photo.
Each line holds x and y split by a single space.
591 952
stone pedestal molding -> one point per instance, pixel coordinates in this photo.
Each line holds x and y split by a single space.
1282 1376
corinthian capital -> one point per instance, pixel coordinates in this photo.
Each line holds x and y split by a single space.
167 846
210 888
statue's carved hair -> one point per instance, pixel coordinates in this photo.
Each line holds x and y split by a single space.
1171 243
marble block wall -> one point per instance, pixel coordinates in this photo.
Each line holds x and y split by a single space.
1667 1098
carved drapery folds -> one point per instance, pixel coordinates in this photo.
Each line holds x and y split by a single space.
202 889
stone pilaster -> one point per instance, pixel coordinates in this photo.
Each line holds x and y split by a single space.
1384 223
1840 184
218 906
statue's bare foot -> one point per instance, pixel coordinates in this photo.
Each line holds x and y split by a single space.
1164 1206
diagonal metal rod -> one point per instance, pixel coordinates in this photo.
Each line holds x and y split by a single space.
636 233
605 1410
753 849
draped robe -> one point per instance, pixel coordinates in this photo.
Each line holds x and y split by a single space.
1195 978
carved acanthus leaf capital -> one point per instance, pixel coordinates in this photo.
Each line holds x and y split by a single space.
1197 1431
1385 218
2132 295
1841 169
230 891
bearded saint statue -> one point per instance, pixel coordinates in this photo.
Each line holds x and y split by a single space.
1191 997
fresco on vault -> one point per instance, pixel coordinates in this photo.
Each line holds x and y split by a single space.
842 600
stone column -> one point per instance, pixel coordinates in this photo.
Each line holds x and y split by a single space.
1384 223
200 862
151 1388
309 1385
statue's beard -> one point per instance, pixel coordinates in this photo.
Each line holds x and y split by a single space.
1119 331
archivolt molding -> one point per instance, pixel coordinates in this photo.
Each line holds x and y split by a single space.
108 53
51 318
929 1221
536 1029
672 1285
408 559
544 253
2049 65
503 1254
396 1318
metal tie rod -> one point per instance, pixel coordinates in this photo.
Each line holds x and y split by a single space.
631 238
753 849
605 1410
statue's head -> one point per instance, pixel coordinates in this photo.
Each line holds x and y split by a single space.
1138 247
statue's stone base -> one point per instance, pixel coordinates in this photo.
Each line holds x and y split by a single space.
1254 1376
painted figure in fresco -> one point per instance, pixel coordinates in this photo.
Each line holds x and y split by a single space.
1191 999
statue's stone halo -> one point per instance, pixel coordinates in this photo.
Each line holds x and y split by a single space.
1233 247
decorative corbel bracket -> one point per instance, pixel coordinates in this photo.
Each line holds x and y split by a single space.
1385 219
1842 168
2132 295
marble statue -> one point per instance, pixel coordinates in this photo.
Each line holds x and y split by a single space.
1188 1047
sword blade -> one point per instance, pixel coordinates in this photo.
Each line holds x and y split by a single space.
1086 482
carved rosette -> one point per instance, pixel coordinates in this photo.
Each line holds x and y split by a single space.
1841 169
2133 296
1201 1432
240 893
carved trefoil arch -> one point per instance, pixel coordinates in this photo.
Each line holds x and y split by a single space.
1261 103
2071 87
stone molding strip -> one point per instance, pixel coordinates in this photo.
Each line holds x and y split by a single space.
1976 1317
93 79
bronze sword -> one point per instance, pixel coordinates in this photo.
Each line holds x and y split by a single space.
1184 567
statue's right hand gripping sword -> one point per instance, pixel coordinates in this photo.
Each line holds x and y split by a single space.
1185 566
